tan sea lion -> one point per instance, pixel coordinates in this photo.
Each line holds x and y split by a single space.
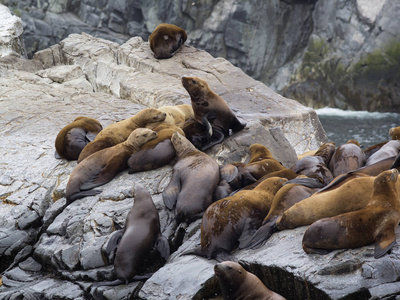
177 114
194 178
230 222
284 173
316 166
352 195
166 39
286 197
375 223
347 157
155 153
102 166
394 133
118 132
204 100
75 136
238 284
390 149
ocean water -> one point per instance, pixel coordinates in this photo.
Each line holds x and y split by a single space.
368 128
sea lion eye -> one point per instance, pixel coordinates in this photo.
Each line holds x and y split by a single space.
194 82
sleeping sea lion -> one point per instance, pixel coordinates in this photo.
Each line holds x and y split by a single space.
205 100
177 114
102 166
375 223
75 136
390 149
166 39
194 178
238 284
347 157
118 132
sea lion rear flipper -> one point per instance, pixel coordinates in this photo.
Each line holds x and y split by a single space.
249 228
113 241
386 238
170 194
307 182
56 155
228 172
261 235
162 246
82 194
216 138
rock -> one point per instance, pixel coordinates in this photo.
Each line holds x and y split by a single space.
52 251
10 33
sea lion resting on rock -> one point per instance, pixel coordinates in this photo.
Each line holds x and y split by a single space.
194 178
347 157
75 136
238 284
177 114
375 223
155 153
204 100
390 149
232 221
102 166
166 39
118 132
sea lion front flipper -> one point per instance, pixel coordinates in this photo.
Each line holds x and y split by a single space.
82 194
249 228
386 238
113 241
261 235
228 172
307 182
211 115
216 138
170 194
90 136
56 155
162 246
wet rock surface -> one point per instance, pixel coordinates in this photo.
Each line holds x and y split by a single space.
48 251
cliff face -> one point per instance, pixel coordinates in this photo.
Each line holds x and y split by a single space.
339 53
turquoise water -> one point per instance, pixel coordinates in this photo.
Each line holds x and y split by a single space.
366 127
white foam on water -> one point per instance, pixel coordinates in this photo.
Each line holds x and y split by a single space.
329 111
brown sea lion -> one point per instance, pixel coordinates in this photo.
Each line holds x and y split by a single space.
75 136
155 153
102 166
177 114
227 175
390 149
204 100
141 233
394 133
166 39
284 173
230 222
347 157
352 195
118 132
238 284
194 178
375 223
316 166
286 197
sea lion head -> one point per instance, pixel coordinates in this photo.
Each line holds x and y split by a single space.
151 115
230 274
196 87
140 136
259 152
394 133
181 144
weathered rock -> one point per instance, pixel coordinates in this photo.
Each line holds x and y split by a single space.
10 33
49 251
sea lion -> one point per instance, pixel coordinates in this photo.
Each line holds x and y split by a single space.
155 153
177 114
141 233
118 132
284 173
73 138
352 195
347 157
390 149
287 196
102 166
375 223
316 166
205 100
226 184
394 133
199 134
194 178
166 39
238 284
230 222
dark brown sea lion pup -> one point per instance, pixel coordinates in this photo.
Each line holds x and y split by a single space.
75 136
194 178
351 196
118 132
238 284
166 39
316 166
204 100
347 157
141 233
155 153
102 166
286 197
231 222
376 223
